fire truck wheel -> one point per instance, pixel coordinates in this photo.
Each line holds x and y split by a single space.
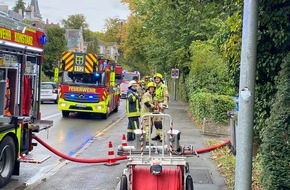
123 184
189 183
106 115
7 160
65 113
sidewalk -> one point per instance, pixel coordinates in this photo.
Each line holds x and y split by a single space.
202 169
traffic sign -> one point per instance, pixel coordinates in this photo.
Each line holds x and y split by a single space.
175 73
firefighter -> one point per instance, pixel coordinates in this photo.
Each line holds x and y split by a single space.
132 109
140 88
146 81
161 97
147 106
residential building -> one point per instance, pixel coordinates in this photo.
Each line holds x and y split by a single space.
109 49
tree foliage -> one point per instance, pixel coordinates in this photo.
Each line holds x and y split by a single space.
273 45
208 73
19 5
113 27
77 21
56 44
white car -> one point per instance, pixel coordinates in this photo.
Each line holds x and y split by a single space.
48 92
124 89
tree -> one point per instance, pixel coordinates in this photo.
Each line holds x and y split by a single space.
56 44
77 21
19 5
113 29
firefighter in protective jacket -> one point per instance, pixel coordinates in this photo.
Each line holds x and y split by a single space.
147 106
161 97
132 109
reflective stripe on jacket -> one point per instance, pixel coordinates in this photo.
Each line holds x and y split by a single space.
132 104
161 93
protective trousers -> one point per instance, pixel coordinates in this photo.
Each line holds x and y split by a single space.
157 120
132 125
146 123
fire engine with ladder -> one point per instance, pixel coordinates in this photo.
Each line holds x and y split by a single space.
21 58
87 84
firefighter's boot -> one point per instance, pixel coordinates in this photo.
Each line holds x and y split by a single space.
156 138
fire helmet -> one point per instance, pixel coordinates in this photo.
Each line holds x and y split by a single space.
131 83
158 75
151 84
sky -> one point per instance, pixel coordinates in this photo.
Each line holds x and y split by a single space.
95 11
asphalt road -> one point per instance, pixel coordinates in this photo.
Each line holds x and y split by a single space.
88 138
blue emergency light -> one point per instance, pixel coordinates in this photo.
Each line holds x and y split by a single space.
43 39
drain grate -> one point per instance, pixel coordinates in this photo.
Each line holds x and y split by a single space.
201 176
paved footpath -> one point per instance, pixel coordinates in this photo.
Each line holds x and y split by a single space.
69 175
202 169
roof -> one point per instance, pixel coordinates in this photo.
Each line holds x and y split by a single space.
34 3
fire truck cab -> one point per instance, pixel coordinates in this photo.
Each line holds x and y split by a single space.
21 57
87 84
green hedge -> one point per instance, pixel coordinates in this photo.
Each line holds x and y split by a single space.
276 146
211 106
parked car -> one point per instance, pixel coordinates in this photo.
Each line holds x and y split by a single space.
124 89
48 92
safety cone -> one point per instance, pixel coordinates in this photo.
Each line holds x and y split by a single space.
124 140
111 156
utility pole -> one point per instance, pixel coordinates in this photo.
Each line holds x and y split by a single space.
243 172
174 86
174 76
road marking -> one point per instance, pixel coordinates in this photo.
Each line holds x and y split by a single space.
42 176
51 116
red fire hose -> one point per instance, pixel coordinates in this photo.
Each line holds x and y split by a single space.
103 160
80 160
207 149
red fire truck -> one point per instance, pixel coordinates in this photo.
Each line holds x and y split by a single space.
130 75
21 58
127 76
87 84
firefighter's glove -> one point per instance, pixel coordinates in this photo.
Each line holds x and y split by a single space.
136 96
162 105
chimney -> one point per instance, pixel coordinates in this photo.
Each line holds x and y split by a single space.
20 12
4 7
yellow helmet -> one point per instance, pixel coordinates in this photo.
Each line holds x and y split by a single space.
151 84
158 75
146 78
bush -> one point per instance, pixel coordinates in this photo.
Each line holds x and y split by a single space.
208 72
211 106
44 78
276 146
